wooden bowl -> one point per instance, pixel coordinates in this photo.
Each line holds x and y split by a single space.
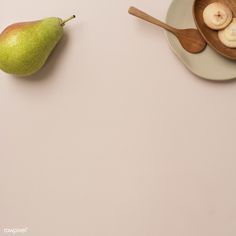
211 36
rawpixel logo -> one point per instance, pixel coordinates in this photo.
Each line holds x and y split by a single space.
15 230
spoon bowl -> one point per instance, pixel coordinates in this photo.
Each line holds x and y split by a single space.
191 40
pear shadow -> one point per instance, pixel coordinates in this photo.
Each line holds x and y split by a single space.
51 64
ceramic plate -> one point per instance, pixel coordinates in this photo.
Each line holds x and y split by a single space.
208 64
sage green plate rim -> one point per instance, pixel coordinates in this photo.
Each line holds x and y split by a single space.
173 42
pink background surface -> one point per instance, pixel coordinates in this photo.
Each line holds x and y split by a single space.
114 136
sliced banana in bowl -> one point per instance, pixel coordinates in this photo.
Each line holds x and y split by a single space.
228 35
217 16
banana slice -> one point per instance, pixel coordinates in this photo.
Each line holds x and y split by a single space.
228 35
217 16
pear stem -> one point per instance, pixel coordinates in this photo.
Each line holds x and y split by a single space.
66 20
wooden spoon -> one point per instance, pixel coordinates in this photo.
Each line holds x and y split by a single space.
190 39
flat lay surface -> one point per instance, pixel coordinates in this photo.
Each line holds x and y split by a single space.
114 136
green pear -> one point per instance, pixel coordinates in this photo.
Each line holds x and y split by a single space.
25 47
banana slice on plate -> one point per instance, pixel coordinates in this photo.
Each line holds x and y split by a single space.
228 35
217 16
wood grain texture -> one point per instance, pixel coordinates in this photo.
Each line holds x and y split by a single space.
190 39
211 36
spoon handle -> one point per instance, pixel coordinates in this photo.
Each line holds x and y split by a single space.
144 16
